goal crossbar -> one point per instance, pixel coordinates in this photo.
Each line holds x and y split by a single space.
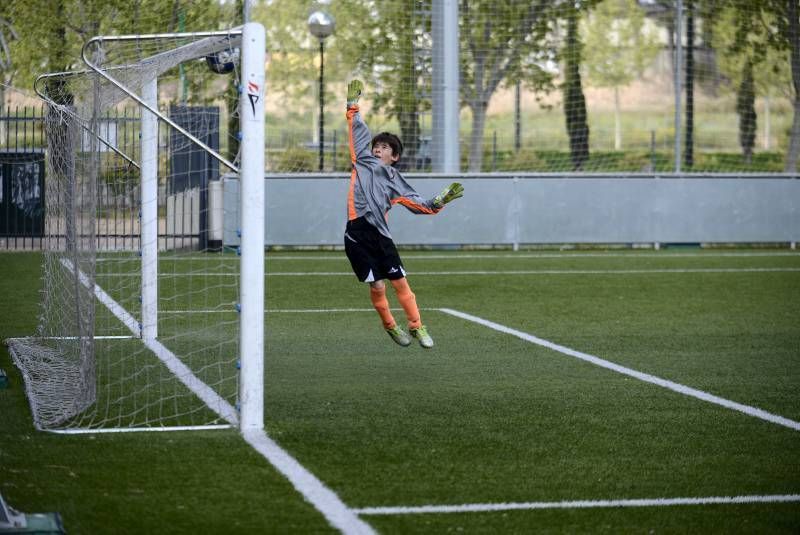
158 64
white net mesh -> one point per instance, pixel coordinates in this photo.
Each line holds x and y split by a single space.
90 365
545 86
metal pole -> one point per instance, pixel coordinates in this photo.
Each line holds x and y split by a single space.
444 27
517 117
321 104
678 75
149 213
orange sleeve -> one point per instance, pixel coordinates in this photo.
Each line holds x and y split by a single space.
351 111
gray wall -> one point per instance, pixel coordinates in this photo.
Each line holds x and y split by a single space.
544 209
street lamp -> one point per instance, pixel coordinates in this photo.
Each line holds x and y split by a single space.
321 25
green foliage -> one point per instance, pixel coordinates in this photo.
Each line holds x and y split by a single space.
502 43
741 43
630 161
295 160
617 47
763 32
294 53
52 32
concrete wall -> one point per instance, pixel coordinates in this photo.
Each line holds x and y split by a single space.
544 209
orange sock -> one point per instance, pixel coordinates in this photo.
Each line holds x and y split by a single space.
408 301
381 304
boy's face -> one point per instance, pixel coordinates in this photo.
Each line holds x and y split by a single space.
384 153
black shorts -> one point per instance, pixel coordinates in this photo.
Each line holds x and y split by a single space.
372 255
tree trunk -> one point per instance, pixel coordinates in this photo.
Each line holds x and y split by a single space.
476 136
407 105
3 124
517 117
574 100
688 151
767 122
794 46
409 133
232 106
745 107
617 121
794 140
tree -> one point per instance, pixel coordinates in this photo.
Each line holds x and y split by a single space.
574 101
745 107
790 37
501 42
748 49
385 41
410 34
776 24
52 32
617 50
688 151
354 50
7 34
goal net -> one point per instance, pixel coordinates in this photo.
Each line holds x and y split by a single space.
141 306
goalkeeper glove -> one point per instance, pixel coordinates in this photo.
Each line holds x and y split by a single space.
354 89
450 193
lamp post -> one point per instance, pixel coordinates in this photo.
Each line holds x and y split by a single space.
321 25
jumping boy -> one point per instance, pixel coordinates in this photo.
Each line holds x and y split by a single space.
375 185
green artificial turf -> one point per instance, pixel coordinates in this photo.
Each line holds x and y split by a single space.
484 417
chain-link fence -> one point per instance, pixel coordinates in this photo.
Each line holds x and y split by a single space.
587 86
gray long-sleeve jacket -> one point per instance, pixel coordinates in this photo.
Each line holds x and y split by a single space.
374 186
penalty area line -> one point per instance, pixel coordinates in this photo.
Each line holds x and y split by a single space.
577 504
646 377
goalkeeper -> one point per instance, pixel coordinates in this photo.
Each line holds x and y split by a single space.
375 185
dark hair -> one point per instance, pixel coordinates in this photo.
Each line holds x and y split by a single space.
390 139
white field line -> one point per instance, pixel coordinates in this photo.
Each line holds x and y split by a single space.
291 310
483 272
577 504
123 315
313 490
283 310
585 504
184 374
676 387
339 256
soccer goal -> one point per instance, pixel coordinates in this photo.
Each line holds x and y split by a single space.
145 323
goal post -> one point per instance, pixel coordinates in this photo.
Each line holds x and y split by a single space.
138 329
251 177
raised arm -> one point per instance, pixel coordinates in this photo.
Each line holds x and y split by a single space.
358 132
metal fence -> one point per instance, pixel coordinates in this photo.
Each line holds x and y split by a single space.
24 223
22 176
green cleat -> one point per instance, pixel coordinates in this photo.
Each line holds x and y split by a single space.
422 335
399 336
